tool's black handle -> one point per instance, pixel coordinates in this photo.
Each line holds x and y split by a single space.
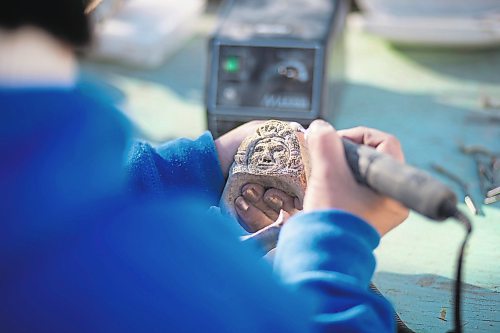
414 188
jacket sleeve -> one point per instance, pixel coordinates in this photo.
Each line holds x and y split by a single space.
181 164
142 266
330 255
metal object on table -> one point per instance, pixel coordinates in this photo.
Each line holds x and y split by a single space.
488 169
475 152
490 200
494 192
476 149
484 177
469 202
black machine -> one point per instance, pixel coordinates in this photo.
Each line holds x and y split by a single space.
275 59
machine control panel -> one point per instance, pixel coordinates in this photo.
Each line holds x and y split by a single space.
265 77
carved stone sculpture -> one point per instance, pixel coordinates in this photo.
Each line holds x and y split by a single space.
275 157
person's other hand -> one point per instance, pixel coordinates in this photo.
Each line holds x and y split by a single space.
227 145
267 237
258 208
331 184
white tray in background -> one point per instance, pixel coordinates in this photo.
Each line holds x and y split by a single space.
434 31
438 23
144 32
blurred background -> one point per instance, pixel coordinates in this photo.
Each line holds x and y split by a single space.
153 56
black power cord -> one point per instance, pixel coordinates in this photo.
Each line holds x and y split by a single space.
457 321
458 280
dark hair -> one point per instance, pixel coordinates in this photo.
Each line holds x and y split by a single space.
64 19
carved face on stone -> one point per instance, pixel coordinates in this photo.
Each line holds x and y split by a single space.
274 148
269 154
274 156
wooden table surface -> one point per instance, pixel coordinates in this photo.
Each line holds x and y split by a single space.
430 99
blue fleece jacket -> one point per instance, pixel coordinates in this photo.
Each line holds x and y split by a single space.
82 252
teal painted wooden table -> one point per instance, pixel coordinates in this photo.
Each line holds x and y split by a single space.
430 99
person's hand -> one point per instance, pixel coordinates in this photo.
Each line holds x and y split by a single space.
227 145
267 237
332 185
258 208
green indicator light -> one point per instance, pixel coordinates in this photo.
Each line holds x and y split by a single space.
232 64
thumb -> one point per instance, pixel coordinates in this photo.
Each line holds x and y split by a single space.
324 145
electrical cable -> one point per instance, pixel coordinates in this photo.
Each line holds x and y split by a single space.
458 279
457 302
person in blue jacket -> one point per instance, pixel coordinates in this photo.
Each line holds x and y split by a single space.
81 250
